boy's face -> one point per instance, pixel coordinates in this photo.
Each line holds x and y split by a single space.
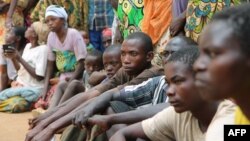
133 57
182 92
112 62
92 63
174 45
106 41
221 68
85 37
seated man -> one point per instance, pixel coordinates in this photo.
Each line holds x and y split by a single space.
150 92
136 56
189 116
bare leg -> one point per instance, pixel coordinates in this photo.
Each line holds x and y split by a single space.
73 88
61 87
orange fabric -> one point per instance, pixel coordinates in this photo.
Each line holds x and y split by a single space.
157 18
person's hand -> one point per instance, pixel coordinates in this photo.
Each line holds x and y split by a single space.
12 53
81 118
177 26
103 121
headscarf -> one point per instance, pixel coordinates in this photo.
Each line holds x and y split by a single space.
107 32
57 11
42 32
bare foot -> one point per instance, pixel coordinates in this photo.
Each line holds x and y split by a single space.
33 132
45 135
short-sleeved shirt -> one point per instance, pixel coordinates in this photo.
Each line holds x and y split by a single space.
36 58
122 79
73 42
101 14
148 93
171 126
11 71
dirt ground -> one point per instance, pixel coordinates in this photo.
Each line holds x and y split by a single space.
13 127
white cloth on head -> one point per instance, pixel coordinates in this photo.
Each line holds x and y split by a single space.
57 11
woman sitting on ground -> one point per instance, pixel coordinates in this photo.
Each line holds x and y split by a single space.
28 84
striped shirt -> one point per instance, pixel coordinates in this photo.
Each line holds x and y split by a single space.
150 92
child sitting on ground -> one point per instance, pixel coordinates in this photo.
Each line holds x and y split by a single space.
112 63
65 90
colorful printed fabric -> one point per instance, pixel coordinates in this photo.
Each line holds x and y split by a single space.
200 12
16 104
130 15
65 61
17 18
77 12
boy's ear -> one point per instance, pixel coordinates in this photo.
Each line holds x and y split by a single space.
150 56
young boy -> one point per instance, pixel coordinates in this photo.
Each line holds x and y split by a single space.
66 90
223 67
136 56
112 63
85 37
189 115
106 37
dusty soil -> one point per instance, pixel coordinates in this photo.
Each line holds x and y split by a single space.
13 127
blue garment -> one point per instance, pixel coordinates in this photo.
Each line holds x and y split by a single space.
95 38
31 94
101 14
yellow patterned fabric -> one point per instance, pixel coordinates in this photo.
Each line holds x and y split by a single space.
17 18
15 104
77 12
200 12
240 118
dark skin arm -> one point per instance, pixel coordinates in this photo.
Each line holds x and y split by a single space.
10 12
97 77
130 133
50 69
106 121
177 25
129 117
103 100
31 4
61 117
3 77
16 59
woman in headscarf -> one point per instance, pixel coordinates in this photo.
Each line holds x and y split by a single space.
66 48
76 9
29 81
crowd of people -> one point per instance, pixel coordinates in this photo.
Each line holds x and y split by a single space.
119 70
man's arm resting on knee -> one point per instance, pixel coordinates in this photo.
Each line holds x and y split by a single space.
134 116
98 105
